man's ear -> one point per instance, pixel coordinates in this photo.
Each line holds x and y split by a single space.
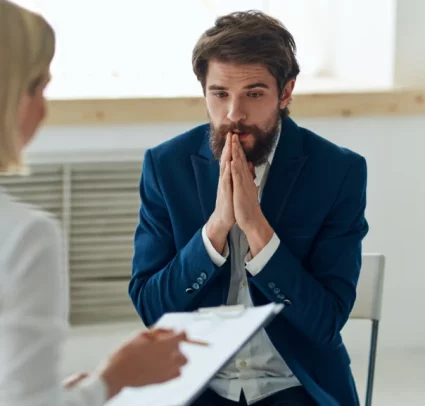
286 96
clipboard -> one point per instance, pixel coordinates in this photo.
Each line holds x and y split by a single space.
227 329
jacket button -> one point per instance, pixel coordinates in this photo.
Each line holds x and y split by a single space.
195 286
271 285
203 275
287 302
189 290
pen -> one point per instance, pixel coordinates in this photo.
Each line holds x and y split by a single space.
196 342
161 333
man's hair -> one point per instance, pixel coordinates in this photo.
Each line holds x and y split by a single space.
249 37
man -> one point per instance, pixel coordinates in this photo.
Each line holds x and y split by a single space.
252 209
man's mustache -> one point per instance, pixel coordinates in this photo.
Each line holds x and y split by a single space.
238 128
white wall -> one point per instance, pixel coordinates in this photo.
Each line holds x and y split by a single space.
409 58
394 149
396 198
360 57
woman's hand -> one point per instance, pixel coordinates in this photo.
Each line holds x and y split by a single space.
146 359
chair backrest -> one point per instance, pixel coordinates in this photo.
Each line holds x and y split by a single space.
369 288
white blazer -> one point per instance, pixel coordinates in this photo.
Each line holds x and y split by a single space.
34 306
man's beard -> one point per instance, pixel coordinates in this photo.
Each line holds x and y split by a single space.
264 140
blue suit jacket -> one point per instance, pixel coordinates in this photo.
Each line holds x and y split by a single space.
314 199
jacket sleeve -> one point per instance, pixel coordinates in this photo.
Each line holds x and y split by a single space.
34 310
165 279
320 293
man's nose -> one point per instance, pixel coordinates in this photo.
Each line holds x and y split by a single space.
236 112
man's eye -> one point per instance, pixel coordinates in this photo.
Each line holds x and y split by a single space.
255 95
220 94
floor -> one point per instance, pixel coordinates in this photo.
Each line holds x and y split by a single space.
399 377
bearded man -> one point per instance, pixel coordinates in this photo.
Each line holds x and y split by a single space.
251 209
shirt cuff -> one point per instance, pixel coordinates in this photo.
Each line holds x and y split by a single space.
256 264
93 389
216 258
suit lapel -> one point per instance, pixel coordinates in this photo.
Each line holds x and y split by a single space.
207 172
287 164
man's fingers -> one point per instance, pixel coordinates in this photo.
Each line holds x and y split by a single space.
223 158
226 178
240 152
251 169
226 154
239 163
235 149
227 171
236 176
229 146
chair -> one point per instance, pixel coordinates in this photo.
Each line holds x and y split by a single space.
368 307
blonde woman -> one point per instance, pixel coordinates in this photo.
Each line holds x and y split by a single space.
33 282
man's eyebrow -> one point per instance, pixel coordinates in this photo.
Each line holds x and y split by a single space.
216 87
257 84
250 86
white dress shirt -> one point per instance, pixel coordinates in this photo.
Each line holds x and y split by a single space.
258 369
34 302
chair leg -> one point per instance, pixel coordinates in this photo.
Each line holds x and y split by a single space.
372 362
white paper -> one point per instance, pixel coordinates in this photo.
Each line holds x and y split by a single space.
225 331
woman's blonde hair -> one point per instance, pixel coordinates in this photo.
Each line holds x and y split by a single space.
27 46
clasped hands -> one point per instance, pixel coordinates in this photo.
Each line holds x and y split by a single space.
237 201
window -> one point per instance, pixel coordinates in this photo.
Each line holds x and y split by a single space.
133 48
